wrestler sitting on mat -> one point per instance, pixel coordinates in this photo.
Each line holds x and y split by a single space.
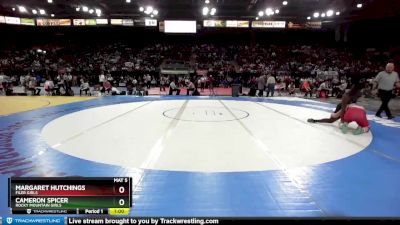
352 112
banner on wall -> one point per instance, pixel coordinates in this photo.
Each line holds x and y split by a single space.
127 22
90 22
314 25
292 25
307 25
237 23
2 19
268 24
28 21
214 23
53 22
13 20
150 22
139 23
116 21
79 22
101 21
243 23
231 23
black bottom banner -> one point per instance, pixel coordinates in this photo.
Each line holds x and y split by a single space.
208 221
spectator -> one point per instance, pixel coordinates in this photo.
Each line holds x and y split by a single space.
261 85
32 86
271 85
163 81
84 87
190 87
323 90
173 87
291 89
148 81
342 89
107 87
306 87
49 86
211 85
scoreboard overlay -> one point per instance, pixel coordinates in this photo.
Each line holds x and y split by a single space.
59 195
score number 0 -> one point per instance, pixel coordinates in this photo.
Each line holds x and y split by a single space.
121 190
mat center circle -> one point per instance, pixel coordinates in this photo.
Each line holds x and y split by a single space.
206 114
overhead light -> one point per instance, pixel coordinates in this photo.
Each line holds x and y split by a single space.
52 15
39 50
213 11
359 5
42 12
329 13
98 11
152 16
85 8
337 13
149 9
141 9
91 11
284 3
78 9
309 18
128 1
256 18
276 11
269 12
34 11
155 12
207 1
323 15
13 9
316 15
22 9
50 1
205 11
261 13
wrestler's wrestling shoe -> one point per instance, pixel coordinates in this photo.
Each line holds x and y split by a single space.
345 128
311 120
358 131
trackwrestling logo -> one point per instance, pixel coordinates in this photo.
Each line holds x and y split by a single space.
34 220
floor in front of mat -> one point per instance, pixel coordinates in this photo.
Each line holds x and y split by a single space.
15 104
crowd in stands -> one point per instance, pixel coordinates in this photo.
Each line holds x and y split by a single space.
106 67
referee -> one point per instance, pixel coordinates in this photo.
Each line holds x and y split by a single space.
385 82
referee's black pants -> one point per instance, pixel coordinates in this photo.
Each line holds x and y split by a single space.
385 98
